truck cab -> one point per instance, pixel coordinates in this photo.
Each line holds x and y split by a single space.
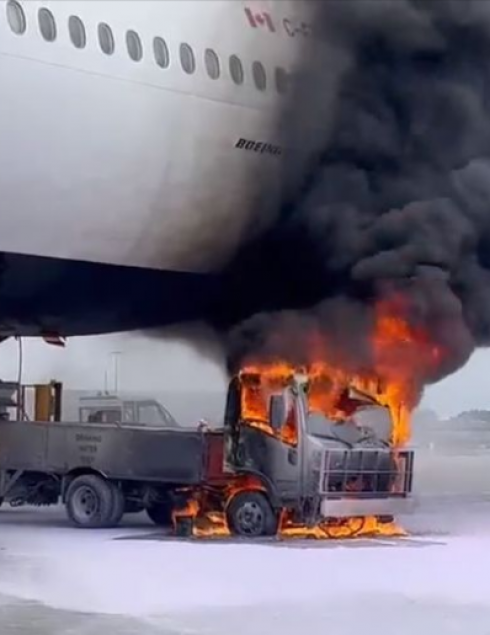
107 408
316 466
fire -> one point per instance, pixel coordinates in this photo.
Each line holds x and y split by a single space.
260 383
207 520
213 524
346 528
401 356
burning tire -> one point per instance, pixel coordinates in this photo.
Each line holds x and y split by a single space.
250 514
90 502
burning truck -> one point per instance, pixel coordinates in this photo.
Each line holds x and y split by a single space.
280 464
317 472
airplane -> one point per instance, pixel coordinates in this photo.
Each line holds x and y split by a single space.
140 141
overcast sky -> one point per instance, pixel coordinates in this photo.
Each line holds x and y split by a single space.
89 362
153 365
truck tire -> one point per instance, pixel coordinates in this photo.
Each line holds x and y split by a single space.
160 514
119 505
90 502
250 514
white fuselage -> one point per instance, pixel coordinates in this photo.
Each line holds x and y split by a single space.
108 160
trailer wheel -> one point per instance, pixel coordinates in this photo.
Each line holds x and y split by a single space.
90 501
251 514
160 514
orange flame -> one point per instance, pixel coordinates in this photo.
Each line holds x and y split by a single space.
213 523
342 529
208 521
259 383
401 355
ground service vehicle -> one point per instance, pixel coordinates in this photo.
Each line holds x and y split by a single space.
109 408
251 469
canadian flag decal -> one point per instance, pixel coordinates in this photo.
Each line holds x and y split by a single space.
260 19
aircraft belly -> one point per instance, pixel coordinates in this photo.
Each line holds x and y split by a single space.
115 172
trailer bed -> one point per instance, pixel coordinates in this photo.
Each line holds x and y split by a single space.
166 455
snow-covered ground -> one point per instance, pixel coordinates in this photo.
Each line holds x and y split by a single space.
131 580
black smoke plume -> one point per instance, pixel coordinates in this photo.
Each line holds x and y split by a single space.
396 199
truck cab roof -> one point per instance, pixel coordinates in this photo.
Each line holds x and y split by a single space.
109 408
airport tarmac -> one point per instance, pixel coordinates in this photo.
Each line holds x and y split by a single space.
57 580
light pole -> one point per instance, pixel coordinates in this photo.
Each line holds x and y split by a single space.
115 356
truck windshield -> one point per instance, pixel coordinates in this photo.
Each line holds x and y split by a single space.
152 413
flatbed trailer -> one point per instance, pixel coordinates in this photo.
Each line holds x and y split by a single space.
249 470
41 463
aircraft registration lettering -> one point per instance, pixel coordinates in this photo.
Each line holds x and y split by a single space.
295 27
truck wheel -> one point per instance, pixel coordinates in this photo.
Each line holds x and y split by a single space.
160 514
118 506
250 514
90 501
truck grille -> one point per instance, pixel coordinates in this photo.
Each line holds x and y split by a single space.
366 473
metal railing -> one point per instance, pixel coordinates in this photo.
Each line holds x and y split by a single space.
366 473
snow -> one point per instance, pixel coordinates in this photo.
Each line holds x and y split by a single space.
93 572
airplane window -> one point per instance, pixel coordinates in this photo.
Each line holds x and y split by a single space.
236 69
16 17
160 50
212 63
47 25
187 59
135 49
282 80
258 72
77 32
106 38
